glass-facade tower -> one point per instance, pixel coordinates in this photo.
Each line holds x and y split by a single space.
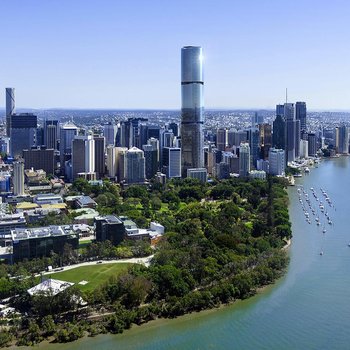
192 116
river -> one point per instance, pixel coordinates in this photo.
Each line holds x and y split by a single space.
309 308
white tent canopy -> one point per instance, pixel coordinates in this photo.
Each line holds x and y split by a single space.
50 286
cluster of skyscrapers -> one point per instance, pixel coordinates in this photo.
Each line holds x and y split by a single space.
134 151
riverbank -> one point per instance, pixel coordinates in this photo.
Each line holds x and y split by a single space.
153 326
314 291
215 253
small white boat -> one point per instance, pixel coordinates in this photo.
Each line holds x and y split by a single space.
321 252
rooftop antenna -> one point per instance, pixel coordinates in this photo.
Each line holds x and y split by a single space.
286 95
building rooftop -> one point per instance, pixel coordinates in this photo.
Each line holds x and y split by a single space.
40 232
110 219
42 196
60 206
86 213
85 200
26 206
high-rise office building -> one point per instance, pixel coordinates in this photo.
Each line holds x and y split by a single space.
230 137
343 140
200 174
18 178
300 114
222 170
279 133
110 132
10 108
167 139
312 144
304 149
221 139
232 160
174 127
5 144
172 162
40 158
111 161
51 133
120 154
67 133
151 160
244 159
99 156
23 133
297 138
192 116
257 119
135 166
254 142
277 161
235 138
129 132
265 139
289 116
40 136
280 111
155 143
83 156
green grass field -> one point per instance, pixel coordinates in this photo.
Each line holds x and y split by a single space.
93 274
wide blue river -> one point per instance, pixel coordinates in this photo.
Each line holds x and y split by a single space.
309 308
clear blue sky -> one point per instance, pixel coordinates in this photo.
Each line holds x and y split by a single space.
126 54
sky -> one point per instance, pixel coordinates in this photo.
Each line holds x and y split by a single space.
126 54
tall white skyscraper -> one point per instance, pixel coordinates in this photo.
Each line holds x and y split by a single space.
10 108
111 161
244 159
83 155
304 149
277 161
18 178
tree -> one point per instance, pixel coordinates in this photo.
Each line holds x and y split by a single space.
48 325
69 255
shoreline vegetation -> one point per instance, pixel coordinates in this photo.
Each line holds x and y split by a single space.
224 241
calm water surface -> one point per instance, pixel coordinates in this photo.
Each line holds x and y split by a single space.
307 309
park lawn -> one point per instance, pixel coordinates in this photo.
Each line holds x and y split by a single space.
95 275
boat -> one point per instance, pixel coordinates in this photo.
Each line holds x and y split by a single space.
307 170
321 252
324 230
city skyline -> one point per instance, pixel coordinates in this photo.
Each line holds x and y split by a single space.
88 55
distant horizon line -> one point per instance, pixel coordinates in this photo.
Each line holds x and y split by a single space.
166 109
